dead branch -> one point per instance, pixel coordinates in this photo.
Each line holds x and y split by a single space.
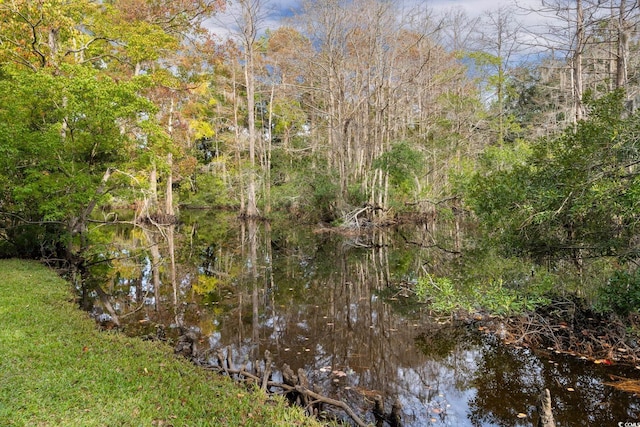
296 386
568 330
337 403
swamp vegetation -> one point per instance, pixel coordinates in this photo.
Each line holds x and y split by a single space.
342 307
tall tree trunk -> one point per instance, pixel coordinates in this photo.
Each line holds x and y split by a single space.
500 92
152 203
267 155
168 198
623 48
577 64
252 209
236 127
249 12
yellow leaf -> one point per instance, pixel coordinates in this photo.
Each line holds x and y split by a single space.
205 284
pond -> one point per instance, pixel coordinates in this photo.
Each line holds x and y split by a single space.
339 307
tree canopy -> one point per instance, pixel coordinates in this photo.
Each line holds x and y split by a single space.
573 195
353 106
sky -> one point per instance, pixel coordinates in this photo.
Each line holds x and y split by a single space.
279 9
470 6
529 39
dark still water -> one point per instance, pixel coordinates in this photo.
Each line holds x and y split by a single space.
337 307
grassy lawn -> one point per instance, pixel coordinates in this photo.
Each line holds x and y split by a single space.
57 369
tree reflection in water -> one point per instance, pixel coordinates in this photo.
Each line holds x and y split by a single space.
332 305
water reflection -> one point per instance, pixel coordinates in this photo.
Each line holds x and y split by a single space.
333 306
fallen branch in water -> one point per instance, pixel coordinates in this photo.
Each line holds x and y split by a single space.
296 387
338 403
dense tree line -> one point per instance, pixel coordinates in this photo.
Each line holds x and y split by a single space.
123 103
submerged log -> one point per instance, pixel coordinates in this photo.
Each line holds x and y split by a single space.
544 410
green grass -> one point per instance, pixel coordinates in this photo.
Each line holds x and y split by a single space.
57 369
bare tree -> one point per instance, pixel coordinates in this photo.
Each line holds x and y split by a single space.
499 34
576 62
582 36
247 16
458 32
376 73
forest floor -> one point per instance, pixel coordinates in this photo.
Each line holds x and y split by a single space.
58 369
568 326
